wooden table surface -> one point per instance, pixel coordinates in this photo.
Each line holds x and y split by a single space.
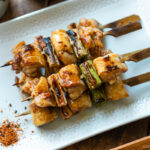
103 141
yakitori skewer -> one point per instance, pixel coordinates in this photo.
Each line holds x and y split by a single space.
100 70
108 68
30 59
85 40
116 91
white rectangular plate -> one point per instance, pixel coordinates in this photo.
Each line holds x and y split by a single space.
90 122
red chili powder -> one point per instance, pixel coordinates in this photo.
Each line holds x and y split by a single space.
8 133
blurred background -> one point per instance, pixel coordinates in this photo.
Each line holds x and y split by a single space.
17 8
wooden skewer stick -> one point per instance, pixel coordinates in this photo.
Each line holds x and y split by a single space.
121 22
124 29
137 79
123 26
136 56
24 113
7 64
27 98
140 144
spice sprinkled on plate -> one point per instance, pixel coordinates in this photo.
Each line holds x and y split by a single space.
9 133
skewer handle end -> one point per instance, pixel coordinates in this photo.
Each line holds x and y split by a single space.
137 79
23 114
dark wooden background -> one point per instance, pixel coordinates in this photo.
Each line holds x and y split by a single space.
104 141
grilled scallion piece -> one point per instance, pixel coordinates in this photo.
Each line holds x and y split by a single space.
78 47
57 90
90 75
98 95
49 52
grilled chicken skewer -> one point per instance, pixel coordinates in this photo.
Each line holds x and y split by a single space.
68 78
114 92
29 59
104 69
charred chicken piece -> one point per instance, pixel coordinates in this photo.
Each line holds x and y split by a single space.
28 59
91 36
80 103
42 96
70 80
26 84
15 63
62 47
42 116
109 67
116 91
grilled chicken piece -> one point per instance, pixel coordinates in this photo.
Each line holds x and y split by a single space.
80 103
62 47
42 95
65 112
76 91
116 91
109 67
91 36
27 84
17 48
42 116
70 80
17 59
57 90
69 75
27 58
